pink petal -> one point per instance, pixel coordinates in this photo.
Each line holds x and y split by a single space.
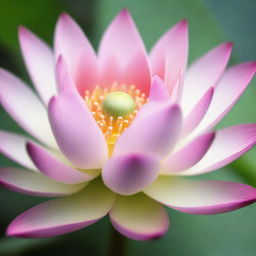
39 60
25 108
188 155
60 216
204 73
71 43
138 217
195 116
227 92
50 166
33 183
121 42
13 146
129 174
155 133
199 196
158 90
229 144
76 131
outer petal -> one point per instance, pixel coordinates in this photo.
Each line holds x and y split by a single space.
188 155
34 183
23 105
13 146
155 133
76 131
60 216
40 63
229 144
71 43
123 43
158 90
204 73
201 197
129 174
227 92
54 168
138 217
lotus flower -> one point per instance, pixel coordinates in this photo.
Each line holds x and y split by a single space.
119 132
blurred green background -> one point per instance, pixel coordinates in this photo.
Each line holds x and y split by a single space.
211 22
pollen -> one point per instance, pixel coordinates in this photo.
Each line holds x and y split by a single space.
112 125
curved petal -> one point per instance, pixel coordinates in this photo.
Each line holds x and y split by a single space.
188 155
39 60
195 116
60 216
122 42
154 134
227 92
139 217
76 131
50 166
71 43
158 90
25 108
13 146
33 183
201 197
129 174
204 73
229 144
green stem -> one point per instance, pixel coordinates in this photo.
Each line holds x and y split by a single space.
117 244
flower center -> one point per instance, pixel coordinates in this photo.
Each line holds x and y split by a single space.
114 108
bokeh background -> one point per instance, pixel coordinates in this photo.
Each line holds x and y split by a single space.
211 22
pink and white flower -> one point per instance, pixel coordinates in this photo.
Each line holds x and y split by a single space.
128 157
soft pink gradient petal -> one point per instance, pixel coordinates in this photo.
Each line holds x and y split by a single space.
189 155
33 183
199 196
158 90
129 174
61 216
71 43
52 167
122 43
139 217
25 108
13 146
195 116
227 92
229 144
155 133
39 60
203 74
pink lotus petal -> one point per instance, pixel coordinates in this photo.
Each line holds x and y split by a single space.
39 60
229 144
172 47
33 183
204 73
195 116
60 216
122 43
76 132
189 155
50 166
227 92
129 174
71 43
138 217
158 90
30 114
199 196
13 146
155 133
